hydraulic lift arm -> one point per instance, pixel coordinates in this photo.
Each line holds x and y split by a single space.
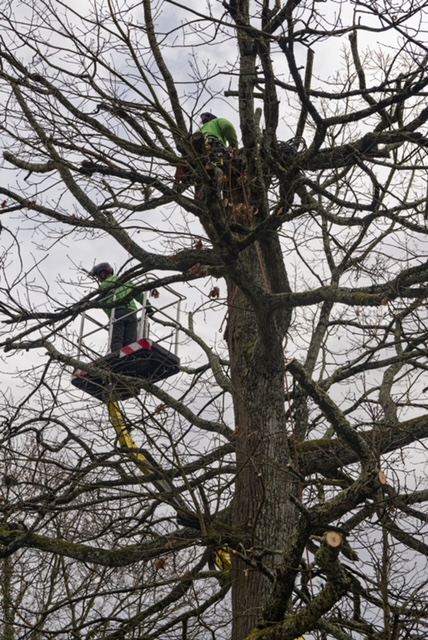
149 467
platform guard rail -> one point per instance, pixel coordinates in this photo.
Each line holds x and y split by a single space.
143 330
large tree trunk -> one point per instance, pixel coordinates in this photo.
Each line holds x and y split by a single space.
262 508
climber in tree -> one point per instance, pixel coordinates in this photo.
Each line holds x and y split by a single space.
215 142
218 130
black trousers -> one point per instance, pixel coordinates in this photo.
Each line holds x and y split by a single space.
124 328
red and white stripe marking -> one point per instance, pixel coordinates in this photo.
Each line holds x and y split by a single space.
144 343
136 346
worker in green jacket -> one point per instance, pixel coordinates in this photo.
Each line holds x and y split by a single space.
219 141
125 313
219 130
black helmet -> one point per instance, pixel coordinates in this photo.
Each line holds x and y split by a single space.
206 117
99 268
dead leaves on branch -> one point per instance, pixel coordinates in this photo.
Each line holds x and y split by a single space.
243 211
160 409
199 270
161 564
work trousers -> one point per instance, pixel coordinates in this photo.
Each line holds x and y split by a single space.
124 328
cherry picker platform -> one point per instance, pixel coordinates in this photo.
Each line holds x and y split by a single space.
115 376
143 359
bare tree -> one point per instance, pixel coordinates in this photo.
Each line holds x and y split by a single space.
286 449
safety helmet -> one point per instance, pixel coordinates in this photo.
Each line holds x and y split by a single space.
99 268
206 117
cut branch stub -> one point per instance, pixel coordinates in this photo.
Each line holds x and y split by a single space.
333 539
382 478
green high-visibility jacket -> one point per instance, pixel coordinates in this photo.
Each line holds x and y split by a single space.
222 130
116 294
